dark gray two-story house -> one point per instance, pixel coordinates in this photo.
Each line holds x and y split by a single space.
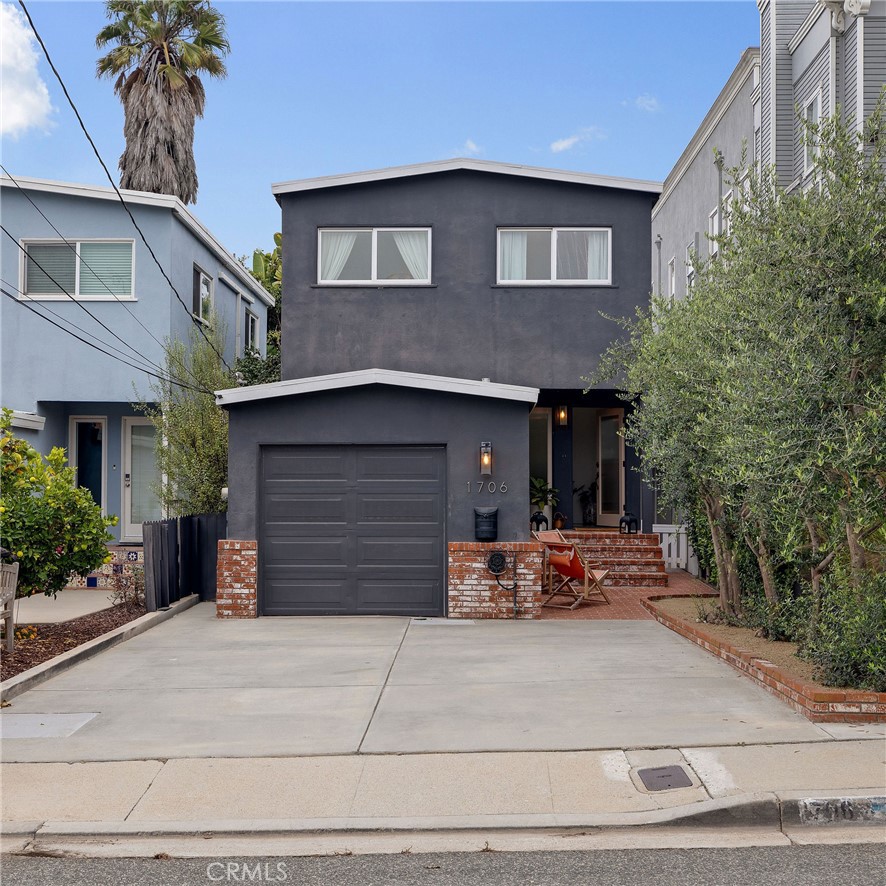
438 321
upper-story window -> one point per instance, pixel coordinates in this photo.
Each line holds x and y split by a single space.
690 267
714 229
672 278
250 331
98 270
386 256
202 295
555 256
812 115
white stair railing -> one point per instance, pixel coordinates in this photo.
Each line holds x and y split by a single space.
675 548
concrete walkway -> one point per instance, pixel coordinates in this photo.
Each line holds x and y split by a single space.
196 686
302 728
70 603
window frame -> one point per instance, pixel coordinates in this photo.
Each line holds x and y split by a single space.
690 270
555 232
203 275
251 320
672 278
714 223
811 151
374 281
25 242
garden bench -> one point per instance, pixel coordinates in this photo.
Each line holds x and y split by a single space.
8 581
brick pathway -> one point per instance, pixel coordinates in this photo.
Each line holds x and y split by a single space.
626 601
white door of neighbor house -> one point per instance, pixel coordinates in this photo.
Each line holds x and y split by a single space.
611 454
140 476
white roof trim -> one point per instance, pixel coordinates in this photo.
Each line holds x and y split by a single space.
144 198
459 163
291 387
29 420
734 84
806 27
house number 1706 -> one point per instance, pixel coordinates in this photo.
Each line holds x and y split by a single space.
490 487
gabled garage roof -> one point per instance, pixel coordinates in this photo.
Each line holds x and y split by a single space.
292 387
458 163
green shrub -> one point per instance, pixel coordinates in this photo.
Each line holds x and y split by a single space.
848 645
51 525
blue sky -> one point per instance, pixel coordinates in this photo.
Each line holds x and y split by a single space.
323 88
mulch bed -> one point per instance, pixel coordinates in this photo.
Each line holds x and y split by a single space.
54 639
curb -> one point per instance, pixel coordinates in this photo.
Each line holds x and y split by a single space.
29 679
760 810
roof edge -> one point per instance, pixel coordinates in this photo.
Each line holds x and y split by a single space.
340 380
469 164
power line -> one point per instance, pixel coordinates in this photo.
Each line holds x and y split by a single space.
113 184
78 302
83 261
90 344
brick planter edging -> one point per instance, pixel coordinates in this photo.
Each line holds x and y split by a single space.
818 704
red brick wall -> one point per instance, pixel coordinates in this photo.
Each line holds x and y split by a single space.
237 578
473 590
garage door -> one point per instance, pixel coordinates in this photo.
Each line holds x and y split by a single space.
352 530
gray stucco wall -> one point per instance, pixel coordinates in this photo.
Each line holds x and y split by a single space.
463 325
380 414
681 216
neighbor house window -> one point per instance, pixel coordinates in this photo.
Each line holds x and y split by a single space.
202 295
714 229
388 256
100 270
727 212
555 255
250 331
690 270
811 114
672 278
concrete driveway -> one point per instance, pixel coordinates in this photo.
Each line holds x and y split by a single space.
196 686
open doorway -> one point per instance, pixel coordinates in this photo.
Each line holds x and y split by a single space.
598 458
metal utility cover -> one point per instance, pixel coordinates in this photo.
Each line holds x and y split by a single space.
664 778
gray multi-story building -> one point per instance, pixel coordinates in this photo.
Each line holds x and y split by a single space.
814 58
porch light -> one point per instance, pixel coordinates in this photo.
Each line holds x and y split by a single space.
563 416
485 459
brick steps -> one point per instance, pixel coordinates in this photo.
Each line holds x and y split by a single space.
632 560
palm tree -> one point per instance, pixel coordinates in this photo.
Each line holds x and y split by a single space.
159 49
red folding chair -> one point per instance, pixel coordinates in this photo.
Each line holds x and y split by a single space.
575 576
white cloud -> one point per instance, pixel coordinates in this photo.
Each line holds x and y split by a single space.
24 98
588 134
470 148
647 102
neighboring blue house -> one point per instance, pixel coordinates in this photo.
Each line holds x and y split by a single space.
66 393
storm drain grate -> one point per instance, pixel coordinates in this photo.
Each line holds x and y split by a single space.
662 778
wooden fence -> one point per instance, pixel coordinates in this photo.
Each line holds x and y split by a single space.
181 555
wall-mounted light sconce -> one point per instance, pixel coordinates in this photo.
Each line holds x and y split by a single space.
485 459
563 416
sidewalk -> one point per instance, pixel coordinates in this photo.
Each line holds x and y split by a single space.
737 785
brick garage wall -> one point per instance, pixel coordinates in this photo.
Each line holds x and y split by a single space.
473 590
237 577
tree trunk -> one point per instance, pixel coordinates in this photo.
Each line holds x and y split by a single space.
764 564
725 555
815 575
858 557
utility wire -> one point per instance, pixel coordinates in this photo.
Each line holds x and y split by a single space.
79 303
90 344
73 248
113 184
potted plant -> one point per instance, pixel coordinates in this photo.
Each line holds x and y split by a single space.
559 520
587 498
542 494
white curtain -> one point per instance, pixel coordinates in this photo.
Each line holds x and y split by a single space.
572 255
513 255
598 255
413 248
335 250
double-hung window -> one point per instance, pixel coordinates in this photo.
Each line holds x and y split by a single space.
555 256
202 295
374 256
90 270
812 115
250 331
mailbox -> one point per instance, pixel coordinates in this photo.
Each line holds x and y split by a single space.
486 524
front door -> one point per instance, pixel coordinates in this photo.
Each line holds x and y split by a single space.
87 454
140 478
611 455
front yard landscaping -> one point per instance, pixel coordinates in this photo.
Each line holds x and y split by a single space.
54 639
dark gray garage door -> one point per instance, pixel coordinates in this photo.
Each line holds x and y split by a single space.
352 529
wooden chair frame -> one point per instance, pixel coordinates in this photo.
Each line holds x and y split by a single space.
560 557
8 582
